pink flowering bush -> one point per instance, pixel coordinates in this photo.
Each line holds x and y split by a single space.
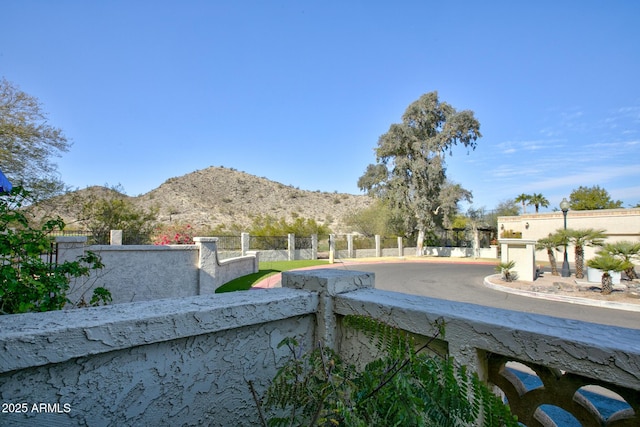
174 234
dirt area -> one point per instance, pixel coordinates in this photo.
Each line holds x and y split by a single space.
626 292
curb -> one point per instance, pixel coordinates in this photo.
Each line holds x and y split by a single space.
562 298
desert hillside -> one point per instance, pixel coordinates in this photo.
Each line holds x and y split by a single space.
219 195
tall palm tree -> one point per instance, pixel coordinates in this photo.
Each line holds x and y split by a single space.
582 238
524 199
626 251
551 244
538 200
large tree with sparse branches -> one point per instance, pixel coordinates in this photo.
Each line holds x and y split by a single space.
410 161
28 142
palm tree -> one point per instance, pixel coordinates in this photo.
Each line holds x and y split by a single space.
524 199
607 262
551 244
538 200
505 268
626 251
581 238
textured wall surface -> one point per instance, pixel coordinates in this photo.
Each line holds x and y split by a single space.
147 272
589 349
187 361
170 362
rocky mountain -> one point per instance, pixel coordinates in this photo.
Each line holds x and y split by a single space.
223 196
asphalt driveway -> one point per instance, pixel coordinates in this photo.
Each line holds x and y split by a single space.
464 282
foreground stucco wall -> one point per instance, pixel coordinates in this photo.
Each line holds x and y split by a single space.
619 224
595 351
163 363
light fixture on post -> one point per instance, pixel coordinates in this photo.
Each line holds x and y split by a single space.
564 205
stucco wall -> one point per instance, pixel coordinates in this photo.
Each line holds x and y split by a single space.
147 272
187 361
619 224
162 363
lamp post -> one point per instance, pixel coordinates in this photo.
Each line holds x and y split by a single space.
564 205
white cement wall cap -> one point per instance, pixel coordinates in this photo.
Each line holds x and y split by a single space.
576 346
205 239
35 339
71 239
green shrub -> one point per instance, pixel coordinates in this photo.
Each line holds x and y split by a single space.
28 281
406 386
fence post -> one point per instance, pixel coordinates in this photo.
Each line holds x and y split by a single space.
207 264
291 246
378 246
69 248
245 239
115 237
314 246
400 247
328 283
350 251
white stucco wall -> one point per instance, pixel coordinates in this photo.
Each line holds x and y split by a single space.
619 224
186 361
169 362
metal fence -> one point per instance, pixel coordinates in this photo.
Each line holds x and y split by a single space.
229 243
269 242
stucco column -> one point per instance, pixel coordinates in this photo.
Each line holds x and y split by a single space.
69 248
291 246
314 246
207 264
327 282
350 251
378 246
400 247
245 239
115 237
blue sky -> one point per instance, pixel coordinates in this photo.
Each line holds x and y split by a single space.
299 91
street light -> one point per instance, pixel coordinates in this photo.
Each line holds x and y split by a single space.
564 205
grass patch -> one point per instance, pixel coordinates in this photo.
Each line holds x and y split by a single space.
266 269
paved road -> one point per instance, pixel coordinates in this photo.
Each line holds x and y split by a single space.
464 282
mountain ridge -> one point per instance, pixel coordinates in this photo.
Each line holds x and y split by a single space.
218 196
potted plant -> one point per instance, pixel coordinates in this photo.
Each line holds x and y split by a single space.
607 263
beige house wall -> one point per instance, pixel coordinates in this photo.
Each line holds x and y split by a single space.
618 224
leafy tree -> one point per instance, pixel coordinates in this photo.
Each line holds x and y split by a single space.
103 211
507 207
375 219
269 226
28 282
591 198
524 199
581 238
538 200
410 160
27 143
551 244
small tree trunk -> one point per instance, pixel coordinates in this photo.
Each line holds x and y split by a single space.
607 283
631 273
579 262
552 261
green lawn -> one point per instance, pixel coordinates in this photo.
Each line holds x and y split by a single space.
266 269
